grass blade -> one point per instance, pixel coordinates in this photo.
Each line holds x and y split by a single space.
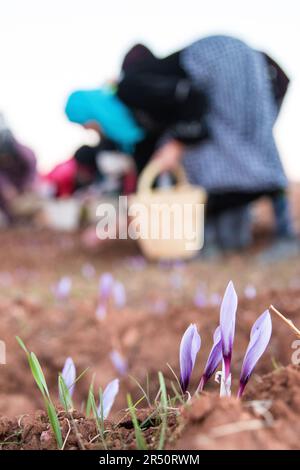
164 406
140 440
54 422
38 374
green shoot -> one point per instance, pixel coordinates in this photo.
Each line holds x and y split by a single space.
40 380
140 440
164 407
64 394
93 408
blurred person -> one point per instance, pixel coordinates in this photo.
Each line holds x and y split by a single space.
17 170
216 94
87 169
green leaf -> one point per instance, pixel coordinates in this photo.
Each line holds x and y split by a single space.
54 422
38 374
22 344
89 400
64 394
164 406
140 440
101 417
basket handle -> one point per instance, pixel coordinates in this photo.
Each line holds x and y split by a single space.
152 171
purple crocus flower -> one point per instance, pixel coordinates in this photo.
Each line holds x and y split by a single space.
250 291
63 288
106 286
101 311
88 271
69 375
200 298
227 324
119 362
119 294
214 359
259 339
108 398
189 347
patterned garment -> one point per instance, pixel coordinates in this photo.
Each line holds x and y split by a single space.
241 153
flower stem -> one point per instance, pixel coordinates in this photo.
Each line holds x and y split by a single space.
241 390
202 382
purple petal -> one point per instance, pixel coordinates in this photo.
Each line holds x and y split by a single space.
106 286
259 339
119 294
109 396
101 311
119 362
176 280
189 347
63 288
88 271
69 374
227 324
214 359
200 298
250 291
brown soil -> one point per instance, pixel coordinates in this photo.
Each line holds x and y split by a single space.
147 332
267 418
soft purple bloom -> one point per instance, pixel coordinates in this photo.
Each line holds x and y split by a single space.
101 311
200 298
88 271
176 280
250 291
119 362
69 374
108 398
214 359
106 286
119 294
227 324
189 347
63 288
259 339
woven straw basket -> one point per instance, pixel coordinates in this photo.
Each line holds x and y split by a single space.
156 202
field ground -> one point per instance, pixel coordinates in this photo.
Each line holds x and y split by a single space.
147 332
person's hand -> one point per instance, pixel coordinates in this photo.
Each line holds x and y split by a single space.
169 155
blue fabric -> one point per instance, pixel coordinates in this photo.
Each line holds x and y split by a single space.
105 108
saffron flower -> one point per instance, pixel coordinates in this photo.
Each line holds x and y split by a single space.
189 347
69 375
108 399
88 271
227 325
214 359
250 291
200 298
259 339
106 286
63 288
119 294
119 362
101 311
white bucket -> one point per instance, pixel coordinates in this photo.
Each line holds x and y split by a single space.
62 214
